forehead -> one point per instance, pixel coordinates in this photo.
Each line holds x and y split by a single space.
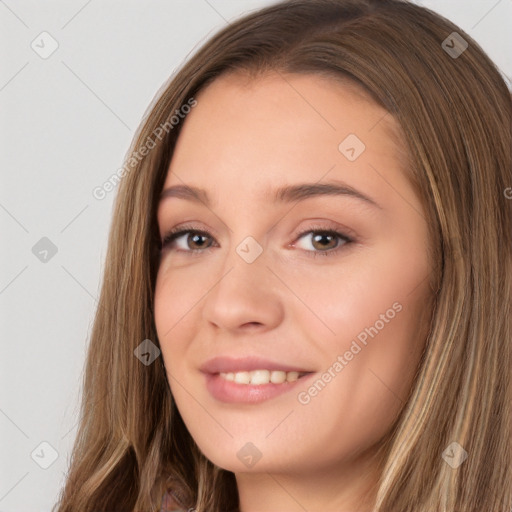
251 132
334 102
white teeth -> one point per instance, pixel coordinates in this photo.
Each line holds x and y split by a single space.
242 377
292 376
277 377
260 377
257 377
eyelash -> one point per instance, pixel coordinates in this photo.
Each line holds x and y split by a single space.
182 230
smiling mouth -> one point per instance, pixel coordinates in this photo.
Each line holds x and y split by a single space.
261 377
251 379
253 387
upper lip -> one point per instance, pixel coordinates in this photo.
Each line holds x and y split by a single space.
221 364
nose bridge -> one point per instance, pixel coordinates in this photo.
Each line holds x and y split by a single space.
245 266
243 292
246 242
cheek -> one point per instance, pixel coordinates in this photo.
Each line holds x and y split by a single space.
174 304
342 301
367 374
178 294
368 326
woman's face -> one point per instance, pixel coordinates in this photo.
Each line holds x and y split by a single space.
310 256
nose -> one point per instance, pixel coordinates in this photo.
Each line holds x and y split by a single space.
247 295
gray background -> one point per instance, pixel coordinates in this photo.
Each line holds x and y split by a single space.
66 123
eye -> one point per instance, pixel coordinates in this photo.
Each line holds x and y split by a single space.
186 239
323 242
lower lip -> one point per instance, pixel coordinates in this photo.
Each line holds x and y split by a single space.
233 392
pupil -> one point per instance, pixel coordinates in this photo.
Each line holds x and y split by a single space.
319 237
195 238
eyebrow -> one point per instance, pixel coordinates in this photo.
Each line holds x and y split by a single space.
286 194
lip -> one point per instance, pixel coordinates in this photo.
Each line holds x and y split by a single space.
233 392
246 364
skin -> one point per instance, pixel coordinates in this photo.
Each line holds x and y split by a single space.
244 138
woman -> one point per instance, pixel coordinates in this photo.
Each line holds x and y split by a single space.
241 372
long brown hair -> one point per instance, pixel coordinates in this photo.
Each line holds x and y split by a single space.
455 113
